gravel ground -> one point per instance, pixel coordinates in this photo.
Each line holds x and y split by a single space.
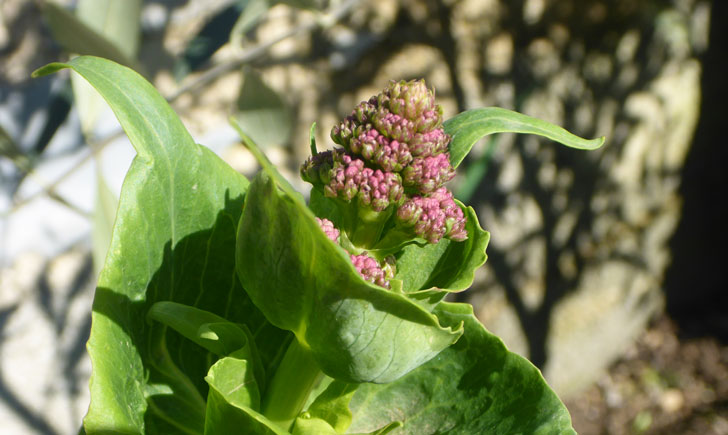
667 383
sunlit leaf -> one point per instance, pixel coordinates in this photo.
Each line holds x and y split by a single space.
173 239
468 127
304 283
233 400
475 386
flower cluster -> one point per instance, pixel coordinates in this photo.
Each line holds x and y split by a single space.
370 270
345 177
434 217
393 163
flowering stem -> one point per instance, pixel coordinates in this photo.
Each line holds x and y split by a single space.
368 226
296 376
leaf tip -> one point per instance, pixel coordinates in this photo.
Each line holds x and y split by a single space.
48 69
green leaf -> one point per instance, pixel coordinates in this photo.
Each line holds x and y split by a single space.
212 332
76 37
233 400
468 127
303 282
329 411
173 240
234 380
261 112
475 386
446 265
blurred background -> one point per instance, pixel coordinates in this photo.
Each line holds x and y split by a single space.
605 268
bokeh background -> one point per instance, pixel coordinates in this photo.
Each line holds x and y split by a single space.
605 269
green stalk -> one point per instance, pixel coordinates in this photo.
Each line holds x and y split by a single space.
291 386
369 225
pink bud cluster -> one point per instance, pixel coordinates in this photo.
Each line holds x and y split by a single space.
329 229
434 216
368 267
346 178
395 152
370 270
392 128
429 173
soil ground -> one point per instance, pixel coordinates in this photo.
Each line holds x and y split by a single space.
667 383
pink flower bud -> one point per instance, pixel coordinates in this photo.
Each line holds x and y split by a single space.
370 270
433 217
428 173
328 227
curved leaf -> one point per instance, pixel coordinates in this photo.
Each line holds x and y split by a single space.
331 407
475 386
468 127
233 399
173 239
212 332
306 284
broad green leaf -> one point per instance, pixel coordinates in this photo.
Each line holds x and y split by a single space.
468 127
329 411
233 378
261 113
446 265
76 37
102 221
212 332
173 240
233 400
475 386
306 284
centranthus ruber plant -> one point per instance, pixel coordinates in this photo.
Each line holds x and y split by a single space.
229 306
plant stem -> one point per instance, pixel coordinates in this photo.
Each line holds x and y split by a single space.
291 385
